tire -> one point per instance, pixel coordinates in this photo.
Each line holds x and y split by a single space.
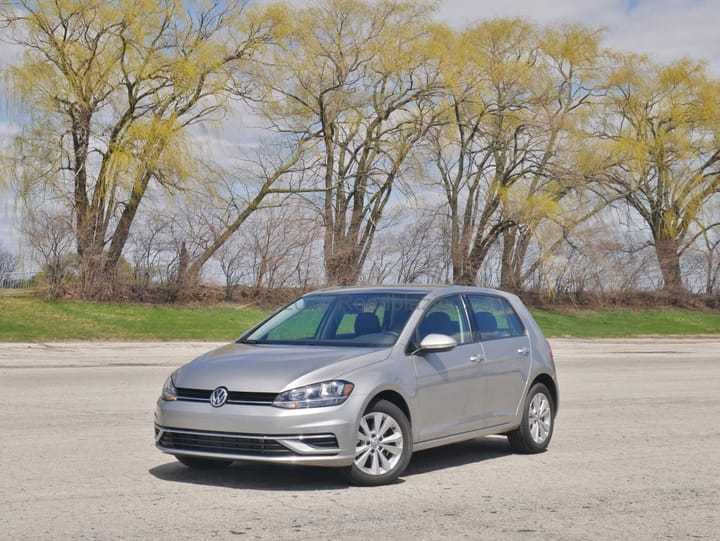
538 421
381 457
198 463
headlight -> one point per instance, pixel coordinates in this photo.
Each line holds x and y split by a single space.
327 393
169 392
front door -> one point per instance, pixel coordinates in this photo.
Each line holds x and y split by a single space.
450 384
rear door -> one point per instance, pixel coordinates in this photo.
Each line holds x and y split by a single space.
507 355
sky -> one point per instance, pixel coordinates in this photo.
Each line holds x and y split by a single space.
663 29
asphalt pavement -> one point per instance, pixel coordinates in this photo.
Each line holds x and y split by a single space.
635 455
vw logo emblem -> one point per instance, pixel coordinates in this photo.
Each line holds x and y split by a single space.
218 397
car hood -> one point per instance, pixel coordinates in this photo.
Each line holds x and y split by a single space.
265 368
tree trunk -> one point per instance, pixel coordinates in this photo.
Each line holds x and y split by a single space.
508 270
90 270
668 255
122 230
180 290
465 277
343 269
515 246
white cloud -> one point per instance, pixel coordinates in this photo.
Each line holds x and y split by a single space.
664 29
461 12
671 29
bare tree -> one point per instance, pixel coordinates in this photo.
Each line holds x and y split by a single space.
415 250
605 263
50 236
147 250
233 264
8 264
221 210
282 241
706 250
712 260
277 247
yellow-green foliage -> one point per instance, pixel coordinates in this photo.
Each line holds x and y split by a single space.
665 138
112 88
511 149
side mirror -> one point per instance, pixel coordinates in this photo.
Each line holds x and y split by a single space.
436 342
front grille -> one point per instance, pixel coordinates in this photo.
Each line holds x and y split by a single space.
229 444
193 394
234 397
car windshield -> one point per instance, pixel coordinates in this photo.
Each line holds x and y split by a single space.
369 319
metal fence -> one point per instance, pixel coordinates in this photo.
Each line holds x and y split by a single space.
17 280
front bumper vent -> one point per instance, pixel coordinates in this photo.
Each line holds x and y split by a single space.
250 445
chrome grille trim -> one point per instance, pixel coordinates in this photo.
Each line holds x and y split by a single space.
234 397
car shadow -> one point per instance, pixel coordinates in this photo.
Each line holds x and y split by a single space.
458 454
282 477
255 476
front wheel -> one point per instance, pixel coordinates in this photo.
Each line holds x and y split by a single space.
384 445
536 428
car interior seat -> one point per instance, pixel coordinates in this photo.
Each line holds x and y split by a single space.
366 323
486 322
436 322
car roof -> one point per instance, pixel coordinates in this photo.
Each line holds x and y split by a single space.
430 291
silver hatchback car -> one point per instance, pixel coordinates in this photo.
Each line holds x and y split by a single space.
360 378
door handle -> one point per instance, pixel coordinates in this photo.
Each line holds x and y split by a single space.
477 358
523 351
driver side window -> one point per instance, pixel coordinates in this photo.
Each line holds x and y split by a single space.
446 316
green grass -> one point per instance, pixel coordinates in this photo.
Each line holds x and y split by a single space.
28 319
25 319
624 323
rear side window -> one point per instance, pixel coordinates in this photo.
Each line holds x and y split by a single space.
494 318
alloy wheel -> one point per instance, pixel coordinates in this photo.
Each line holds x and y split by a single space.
380 444
539 418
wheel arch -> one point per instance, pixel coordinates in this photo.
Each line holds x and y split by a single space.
549 382
393 397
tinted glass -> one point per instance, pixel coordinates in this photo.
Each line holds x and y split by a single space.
446 316
348 319
494 318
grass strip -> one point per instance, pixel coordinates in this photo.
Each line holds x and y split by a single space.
627 323
24 319
28 319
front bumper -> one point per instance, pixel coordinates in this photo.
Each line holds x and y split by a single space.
312 436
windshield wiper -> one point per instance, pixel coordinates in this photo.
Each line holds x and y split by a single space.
247 341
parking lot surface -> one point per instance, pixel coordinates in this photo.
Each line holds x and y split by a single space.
635 455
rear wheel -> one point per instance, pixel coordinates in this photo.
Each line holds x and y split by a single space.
198 463
538 420
383 446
